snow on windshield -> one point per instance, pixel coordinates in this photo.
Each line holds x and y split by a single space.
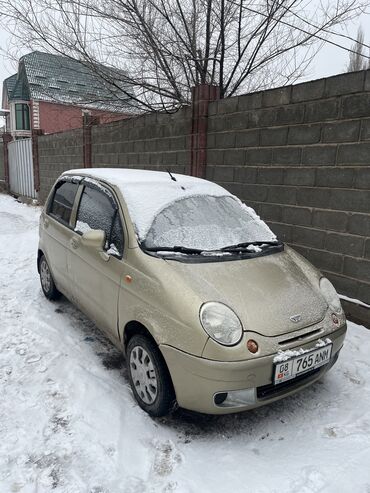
146 192
146 200
207 223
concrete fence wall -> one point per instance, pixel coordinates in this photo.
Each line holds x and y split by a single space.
155 141
57 153
300 155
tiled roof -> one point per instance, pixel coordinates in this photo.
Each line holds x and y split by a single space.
9 83
21 89
60 79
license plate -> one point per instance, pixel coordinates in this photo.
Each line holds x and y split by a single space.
291 368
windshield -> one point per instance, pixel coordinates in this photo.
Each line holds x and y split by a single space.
206 222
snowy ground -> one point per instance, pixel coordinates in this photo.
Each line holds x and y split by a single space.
68 421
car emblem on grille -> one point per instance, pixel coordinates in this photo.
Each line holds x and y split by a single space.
296 318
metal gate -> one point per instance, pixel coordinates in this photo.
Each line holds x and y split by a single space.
21 168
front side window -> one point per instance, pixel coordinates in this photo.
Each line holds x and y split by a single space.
62 201
98 210
22 116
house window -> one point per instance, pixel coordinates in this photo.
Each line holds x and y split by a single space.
22 116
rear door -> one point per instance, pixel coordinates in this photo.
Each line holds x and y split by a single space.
58 231
97 277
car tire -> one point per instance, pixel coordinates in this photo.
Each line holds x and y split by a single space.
149 377
46 279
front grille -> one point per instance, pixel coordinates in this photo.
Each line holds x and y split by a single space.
271 390
300 337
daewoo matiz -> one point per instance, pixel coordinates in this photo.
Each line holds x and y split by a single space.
212 311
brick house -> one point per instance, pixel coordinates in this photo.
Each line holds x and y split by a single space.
51 92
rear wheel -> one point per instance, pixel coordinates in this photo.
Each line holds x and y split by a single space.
47 281
149 377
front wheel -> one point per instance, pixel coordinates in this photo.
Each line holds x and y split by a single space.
47 282
149 377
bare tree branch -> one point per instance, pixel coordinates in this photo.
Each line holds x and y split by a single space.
151 52
357 59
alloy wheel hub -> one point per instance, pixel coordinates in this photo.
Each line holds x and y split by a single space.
143 375
45 275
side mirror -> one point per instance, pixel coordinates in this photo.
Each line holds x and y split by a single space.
94 238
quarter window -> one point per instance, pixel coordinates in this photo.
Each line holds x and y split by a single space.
63 199
98 210
22 116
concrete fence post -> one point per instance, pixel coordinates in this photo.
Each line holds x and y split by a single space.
6 139
202 95
35 158
87 122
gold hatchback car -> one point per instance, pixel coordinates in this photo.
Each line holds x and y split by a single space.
212 311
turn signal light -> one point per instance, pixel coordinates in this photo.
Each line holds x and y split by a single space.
252 346
128 279
335 319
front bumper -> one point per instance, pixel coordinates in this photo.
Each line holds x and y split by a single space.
198 380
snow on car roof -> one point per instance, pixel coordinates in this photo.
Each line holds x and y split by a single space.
148 192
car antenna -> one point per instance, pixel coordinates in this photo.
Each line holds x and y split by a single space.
173 178
171 175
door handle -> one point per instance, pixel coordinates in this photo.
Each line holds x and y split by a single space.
75 243
46 222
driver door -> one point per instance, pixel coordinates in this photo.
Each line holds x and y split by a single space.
97 276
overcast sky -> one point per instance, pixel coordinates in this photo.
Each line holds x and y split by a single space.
329 61
6 67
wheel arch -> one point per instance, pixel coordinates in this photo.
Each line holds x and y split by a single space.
40 253
135 327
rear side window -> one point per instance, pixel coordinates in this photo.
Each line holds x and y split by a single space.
98 210
63 199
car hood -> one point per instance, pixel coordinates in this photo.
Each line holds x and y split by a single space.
264 291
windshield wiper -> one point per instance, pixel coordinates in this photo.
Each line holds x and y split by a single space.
180 249
246 244
231 248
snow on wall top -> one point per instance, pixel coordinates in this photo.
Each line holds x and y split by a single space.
148 192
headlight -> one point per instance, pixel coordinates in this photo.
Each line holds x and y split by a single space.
221 323
330 294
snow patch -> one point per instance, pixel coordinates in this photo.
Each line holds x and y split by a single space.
82 227
71 178
353 300
256 217
98 185
209 253
291 353
113 250
254 248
